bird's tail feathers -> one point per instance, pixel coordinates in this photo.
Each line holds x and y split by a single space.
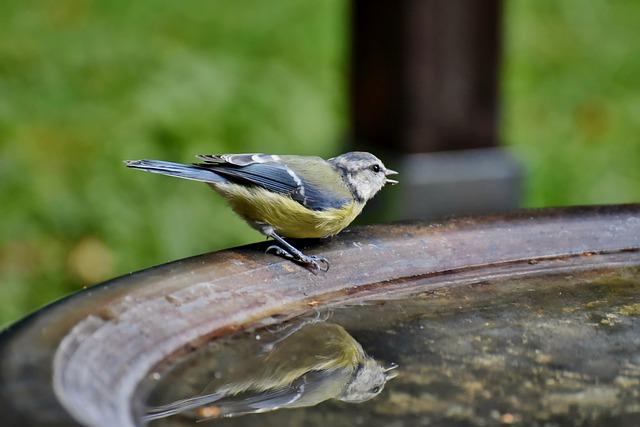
176 169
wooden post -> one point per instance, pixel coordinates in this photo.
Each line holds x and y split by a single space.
424 78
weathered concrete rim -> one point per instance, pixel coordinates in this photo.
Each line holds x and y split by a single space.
99 344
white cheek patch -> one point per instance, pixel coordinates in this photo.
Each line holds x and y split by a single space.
365 186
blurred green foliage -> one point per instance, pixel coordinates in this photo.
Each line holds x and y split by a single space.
85 84
571 91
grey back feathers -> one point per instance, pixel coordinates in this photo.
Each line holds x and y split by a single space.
239 159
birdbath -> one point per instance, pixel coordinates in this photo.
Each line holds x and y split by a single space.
530 318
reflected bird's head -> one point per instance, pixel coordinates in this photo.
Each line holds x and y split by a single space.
364 173
368 381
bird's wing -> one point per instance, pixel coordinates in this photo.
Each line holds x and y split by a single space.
269 400
308 390
310 181
228 406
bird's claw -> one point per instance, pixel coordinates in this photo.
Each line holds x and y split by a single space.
317 262
313 262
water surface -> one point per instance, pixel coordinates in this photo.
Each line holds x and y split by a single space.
545 351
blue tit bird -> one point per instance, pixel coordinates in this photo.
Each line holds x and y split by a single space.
287 196
318 362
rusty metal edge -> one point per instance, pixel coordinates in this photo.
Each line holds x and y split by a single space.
258 288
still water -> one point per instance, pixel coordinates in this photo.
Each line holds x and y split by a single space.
549 351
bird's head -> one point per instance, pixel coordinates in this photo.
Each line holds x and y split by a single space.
363 173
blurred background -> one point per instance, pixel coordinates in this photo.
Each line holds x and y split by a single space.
86 84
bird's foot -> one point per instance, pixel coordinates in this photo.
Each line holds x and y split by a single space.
312 262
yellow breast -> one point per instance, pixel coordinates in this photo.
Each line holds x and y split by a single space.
288 217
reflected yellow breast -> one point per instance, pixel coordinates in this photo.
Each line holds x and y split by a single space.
288 217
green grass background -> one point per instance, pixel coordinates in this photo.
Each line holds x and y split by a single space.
85 84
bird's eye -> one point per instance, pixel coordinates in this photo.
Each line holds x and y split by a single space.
375 389
376 168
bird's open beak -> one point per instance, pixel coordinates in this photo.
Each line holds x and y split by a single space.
390 181
389 371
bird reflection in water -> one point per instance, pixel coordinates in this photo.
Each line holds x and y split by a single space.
317 362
